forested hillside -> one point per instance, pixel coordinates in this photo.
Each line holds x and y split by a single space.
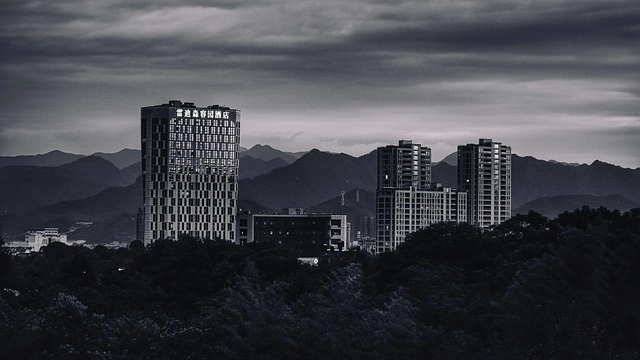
532 288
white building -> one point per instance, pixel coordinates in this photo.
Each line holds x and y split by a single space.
36 239
400 212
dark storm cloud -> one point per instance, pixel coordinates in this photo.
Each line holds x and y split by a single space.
441 47
549 65
582 25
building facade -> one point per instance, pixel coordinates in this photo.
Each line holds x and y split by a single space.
406 199
403 166
307 235
484 172
190 171
404 211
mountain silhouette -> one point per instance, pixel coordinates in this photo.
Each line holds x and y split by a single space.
107 203
122 158
52 158
533 179
251 167
28 187
316 177
267 153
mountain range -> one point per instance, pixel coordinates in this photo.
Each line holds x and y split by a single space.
532 179
258 160
267 153
121 159
316 177
28 187
251 167
94 189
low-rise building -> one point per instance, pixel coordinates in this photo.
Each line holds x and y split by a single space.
307 235
36 239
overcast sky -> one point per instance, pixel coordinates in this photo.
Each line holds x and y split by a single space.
554 79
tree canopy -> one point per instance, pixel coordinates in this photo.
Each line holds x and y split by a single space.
532 287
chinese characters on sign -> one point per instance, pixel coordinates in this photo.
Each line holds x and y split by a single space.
210 114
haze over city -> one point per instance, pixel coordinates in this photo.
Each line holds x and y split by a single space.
554 79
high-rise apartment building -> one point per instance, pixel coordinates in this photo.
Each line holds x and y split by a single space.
484 172
406 200
190 171
403 166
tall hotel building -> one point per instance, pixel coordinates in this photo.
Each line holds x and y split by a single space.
190 171
406 199
484 172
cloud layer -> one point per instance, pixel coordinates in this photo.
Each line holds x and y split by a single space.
554 79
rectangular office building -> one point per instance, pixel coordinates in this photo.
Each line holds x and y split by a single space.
190 171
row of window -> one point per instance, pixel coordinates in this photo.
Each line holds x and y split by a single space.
194 181
207 160
174 234
191 221
187 142
219 119
202 138
222 167
195 198
177 130
216 166
186 209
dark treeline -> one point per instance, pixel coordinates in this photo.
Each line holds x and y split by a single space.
531 288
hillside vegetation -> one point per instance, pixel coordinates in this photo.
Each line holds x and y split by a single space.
531 288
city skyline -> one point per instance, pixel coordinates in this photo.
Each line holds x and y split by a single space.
555 80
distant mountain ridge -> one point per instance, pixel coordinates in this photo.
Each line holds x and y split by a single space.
52 158
28 187
533 179
267 153
121 159
315 177
107 203
451 159
251 167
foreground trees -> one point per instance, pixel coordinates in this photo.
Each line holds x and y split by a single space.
530 288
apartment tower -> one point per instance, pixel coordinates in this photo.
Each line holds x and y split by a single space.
189 170
484 172
406 199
